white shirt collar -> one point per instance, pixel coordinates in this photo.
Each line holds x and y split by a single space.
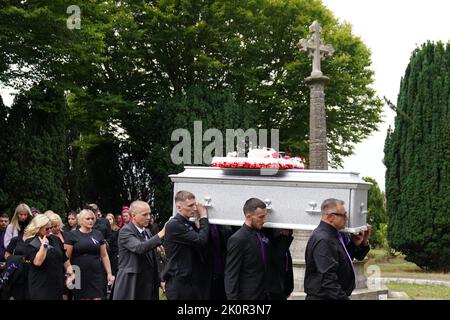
139 229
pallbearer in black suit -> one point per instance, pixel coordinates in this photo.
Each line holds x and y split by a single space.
138 273
184 244
248 256
329 255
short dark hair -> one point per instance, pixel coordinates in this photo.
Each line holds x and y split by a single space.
330 204
183 196
252 204
4 215
93 207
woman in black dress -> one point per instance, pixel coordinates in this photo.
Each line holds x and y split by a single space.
113 245
17 284
86 248
48 261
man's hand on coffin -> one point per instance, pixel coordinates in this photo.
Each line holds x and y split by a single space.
362 237
201 210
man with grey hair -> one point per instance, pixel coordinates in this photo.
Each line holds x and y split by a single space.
329 255
138 275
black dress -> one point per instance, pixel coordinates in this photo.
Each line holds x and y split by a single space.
46 282
86 255
113 252
18 283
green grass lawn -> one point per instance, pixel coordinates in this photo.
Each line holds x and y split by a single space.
398 267
422 292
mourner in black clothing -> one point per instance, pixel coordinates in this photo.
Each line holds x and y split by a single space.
47 261
101 224
86 248
113 251
249 256
280 275
184 244
4 221
17 284
213 267
329 255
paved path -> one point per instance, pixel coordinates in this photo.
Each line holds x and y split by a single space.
414 281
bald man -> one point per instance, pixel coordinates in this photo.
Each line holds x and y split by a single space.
138 274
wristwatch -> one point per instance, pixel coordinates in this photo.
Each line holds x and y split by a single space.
45 245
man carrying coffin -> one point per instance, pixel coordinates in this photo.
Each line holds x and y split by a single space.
184 245
247 260
329 255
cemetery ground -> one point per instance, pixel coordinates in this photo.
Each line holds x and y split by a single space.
396 267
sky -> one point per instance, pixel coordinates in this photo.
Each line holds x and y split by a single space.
392 29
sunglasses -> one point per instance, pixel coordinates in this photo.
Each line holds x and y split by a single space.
47 229
340 214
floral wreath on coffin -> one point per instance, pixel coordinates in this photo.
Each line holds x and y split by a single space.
259 158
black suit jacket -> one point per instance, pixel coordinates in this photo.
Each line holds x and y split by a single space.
329 273
103 225
280 275
211 290
245 272
184 244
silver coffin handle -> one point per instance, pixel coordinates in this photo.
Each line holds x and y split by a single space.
313 206
268 203
361 211
207 201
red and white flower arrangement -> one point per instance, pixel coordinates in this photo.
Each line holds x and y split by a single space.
258 159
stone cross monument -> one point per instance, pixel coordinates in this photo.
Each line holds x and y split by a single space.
318 159
318 155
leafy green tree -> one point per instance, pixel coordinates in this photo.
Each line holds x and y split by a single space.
215 109
131 57
377 210
36 155
417 158
3 156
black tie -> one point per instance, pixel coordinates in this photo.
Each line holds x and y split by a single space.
144 235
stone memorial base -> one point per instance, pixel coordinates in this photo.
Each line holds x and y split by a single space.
362 291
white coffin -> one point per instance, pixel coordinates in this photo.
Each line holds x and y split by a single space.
293 197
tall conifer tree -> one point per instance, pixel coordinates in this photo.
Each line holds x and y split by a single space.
417 157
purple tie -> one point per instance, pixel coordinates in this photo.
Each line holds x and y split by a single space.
341 239
261 247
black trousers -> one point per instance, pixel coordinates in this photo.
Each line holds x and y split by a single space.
181 289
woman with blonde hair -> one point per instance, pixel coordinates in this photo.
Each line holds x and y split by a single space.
86 247
48 260
57 225
21 218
